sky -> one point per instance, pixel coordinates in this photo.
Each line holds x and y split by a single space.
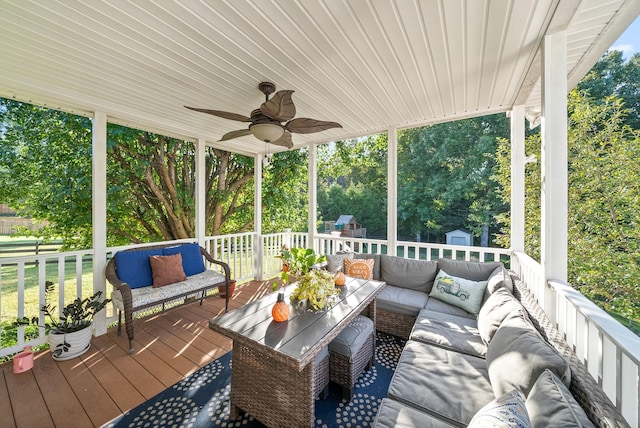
629 41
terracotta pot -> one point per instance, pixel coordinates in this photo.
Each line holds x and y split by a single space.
222 290
65 346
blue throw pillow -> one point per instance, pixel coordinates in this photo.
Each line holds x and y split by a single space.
192 261
133 267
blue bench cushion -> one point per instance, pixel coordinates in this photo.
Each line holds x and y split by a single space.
134 268
192 261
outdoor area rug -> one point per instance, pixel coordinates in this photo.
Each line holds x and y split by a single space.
202 399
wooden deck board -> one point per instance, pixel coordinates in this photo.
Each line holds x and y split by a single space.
106 381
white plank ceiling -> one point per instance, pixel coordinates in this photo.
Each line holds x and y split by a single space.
367 64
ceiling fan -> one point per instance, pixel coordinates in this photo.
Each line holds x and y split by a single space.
266 121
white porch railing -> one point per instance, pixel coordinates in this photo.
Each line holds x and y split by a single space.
610 351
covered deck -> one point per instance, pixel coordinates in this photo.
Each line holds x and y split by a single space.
373 66
106 381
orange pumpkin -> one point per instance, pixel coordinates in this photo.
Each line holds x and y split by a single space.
340 278
280 310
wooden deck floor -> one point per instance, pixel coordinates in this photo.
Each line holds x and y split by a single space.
106 381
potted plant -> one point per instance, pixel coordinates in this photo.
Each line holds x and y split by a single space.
70 333
298 261
317 288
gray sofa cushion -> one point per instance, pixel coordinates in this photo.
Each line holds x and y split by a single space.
447 331
499 278
440 306
350 340
495 310
414 274
335 262
393 414
401 300
475 271
447 384
376 263
551 405
517 355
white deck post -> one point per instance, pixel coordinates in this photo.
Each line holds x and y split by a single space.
99 212
517 178
554 198
392 190
313 199
258 253
201 197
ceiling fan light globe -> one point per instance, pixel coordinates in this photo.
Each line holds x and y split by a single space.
266 132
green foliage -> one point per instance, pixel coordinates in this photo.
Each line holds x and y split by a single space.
76 315
300 260
317 288
604 204
445 177
352 180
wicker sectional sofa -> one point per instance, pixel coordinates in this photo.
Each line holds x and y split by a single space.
479 349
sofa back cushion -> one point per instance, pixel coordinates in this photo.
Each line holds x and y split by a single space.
500 305
133 267
463 293
335 262
551 405
413 274
517 355
474 271
192 261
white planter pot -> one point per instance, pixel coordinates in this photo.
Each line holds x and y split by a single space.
70 345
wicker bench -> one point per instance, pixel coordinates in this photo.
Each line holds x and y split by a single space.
131 299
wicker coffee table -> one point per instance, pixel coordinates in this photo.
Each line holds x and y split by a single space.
273 363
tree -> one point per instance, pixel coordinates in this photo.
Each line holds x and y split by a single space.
45 166
444 177
352 179
604 204
611 75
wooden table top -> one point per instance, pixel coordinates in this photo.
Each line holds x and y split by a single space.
298 340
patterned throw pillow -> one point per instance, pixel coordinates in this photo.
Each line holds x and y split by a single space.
508 411
166 269
359 268
460 292
336 262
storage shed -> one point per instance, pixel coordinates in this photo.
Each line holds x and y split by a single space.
459 237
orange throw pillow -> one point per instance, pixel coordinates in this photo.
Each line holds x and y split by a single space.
166 269
359 268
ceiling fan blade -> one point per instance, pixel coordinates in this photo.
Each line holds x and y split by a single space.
284 141
235 134
222 114
280 107
303 125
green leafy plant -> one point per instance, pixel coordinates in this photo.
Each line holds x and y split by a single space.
317 288
76 315
298 261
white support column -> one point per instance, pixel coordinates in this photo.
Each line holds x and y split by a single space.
313 193
258 253
554 162
201 197
517 178
99 211
392 190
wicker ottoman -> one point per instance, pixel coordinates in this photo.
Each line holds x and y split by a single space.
351 352
321 374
